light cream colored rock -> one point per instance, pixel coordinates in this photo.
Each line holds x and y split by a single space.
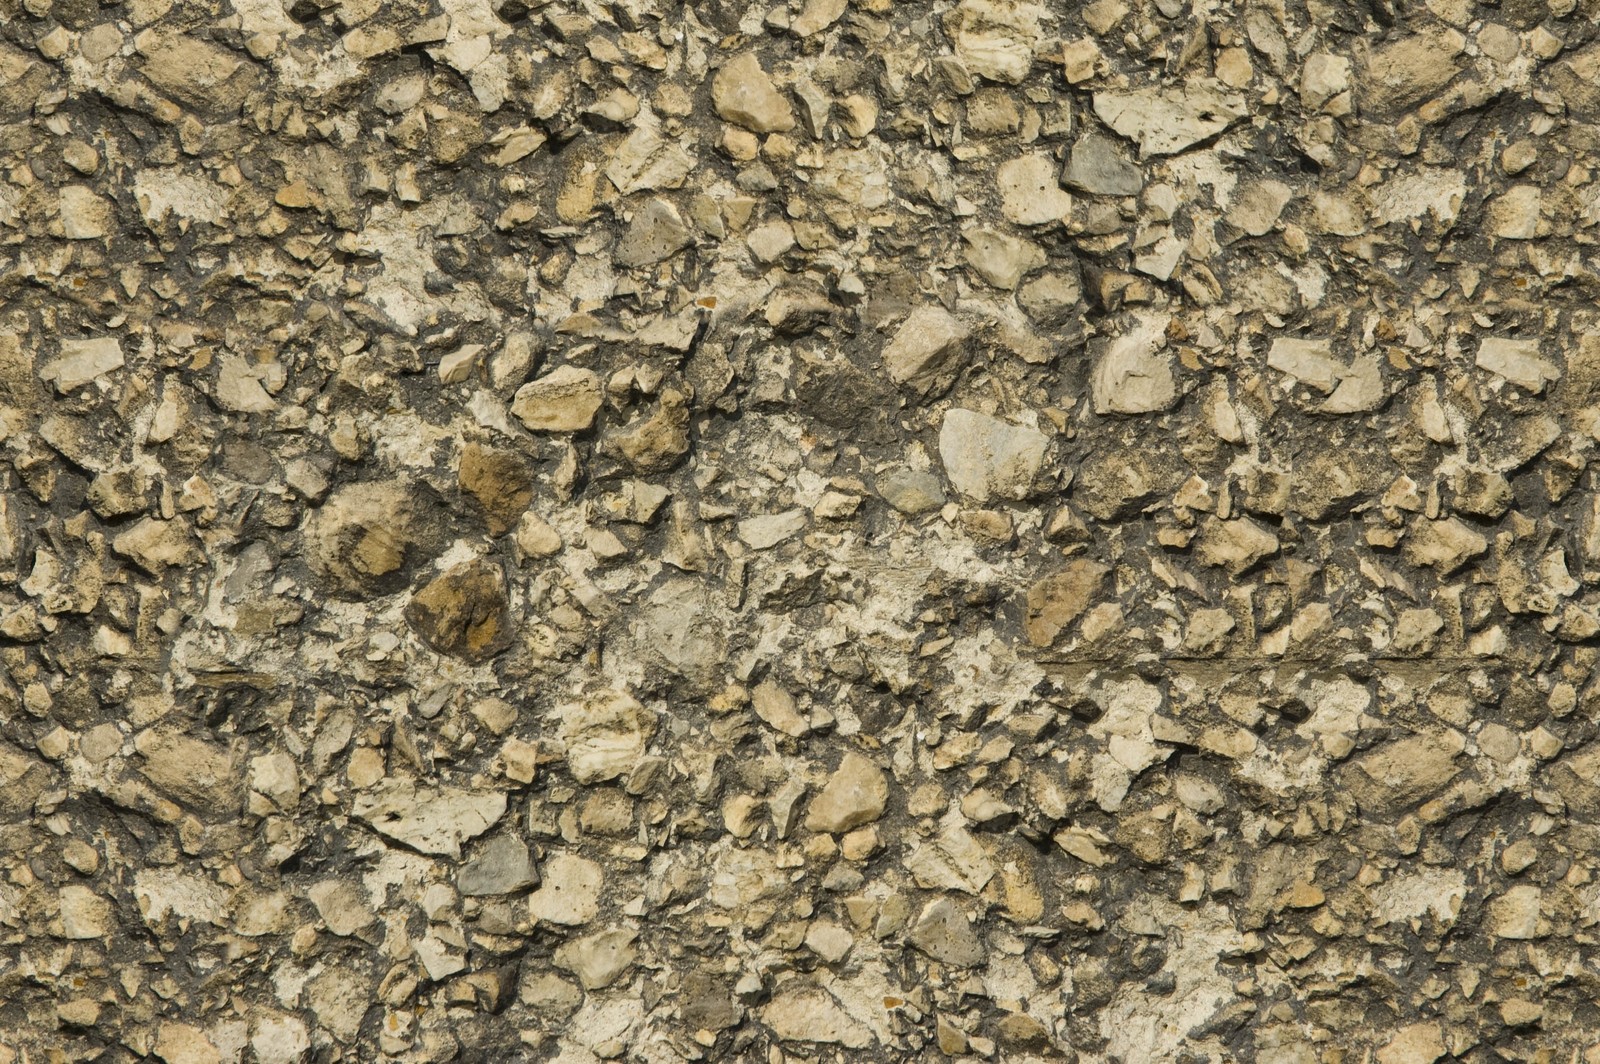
600 959
777 708
84 215
1055 601
802 1012
605 735
182 1043
854 795
564 400
434 820
1029 191
1256 208
999 258
1445 545
656 233
1518 361
81 362
996 38
1515 914
1167 119
1235 544
924 345
569 891
1323 76
743 93
1417 1043
1402 773
1133 373
343 906
278 1038
986 458
945 933
1407 70
193 771
83 913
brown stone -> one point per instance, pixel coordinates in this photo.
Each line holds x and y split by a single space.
463 612
499 481
1058 600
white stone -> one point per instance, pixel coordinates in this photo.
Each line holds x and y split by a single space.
82 361
1164 120
431 819
924 345
986 458
569 891
1030 193
1517 361
1133 374
605 735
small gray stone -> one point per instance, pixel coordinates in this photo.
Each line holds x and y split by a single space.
501 867
1097 166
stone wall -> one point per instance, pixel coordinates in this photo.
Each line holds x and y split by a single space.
848 531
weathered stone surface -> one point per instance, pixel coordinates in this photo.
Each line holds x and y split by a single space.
605 735
1097 166
569 891
1057 600
945 933
986 458
499 481
1164 120
743 94
430 819
564 400
463 612
822 530
923 346
803 1013
854 795
501 866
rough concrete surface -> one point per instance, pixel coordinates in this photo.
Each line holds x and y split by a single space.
836 530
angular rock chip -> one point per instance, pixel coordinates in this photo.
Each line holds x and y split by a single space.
1097 166
854 795
743 94
1402 73
501 483
605 735
1029 191
986 458
361 535
808 1013
1403 773
569 893
945 933
1001 259
193 771
656 233
600 959
1132 374
1517 361
1235 544
83 361
564 400
996 38
911 491
502 866
1057 600
463 612
433 820
924 345
1167 119
1445 545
